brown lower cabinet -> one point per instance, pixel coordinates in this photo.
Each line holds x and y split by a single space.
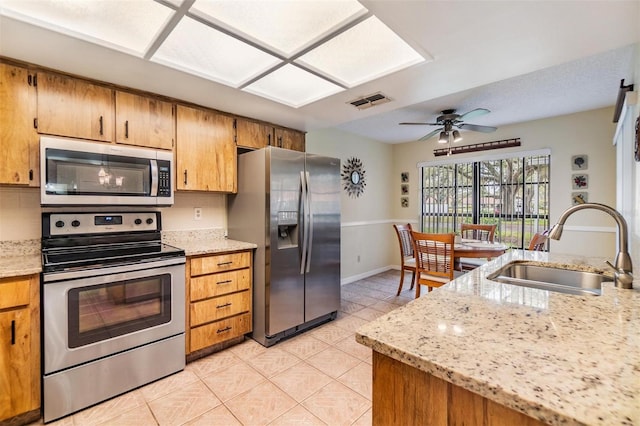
404 395
219 299
19 349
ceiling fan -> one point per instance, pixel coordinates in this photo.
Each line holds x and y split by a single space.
449 119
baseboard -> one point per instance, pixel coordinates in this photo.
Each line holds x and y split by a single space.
367 274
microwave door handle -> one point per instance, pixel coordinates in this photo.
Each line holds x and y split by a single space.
154 178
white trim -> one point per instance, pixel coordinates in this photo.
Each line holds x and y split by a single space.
590 229
631 98
487 157
364 275
377 222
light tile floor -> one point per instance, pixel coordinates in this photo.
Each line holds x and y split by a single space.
320 377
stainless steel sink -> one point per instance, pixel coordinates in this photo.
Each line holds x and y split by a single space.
550 278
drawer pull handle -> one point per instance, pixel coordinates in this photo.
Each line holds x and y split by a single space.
224 282
225 263
13 332
224 306
222 330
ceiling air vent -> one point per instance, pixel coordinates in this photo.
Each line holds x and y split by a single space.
369 101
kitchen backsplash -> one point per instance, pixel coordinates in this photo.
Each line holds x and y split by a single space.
20 213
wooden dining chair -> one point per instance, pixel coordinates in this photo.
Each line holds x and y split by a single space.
434 255
407 261
539 241
476 231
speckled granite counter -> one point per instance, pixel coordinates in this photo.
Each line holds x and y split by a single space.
207 241
20 258
562 359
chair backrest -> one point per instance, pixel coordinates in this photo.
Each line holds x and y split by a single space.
478 232
404 238
434 253
539 241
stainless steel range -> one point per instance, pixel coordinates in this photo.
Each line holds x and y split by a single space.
113 307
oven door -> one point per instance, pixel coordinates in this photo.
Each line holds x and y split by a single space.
91 317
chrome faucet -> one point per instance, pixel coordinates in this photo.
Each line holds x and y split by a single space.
623 269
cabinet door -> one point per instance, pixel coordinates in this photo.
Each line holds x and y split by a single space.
73 107
290 139
15 367
205 151
144 121
251 134
19 150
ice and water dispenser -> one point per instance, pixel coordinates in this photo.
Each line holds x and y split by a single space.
287 229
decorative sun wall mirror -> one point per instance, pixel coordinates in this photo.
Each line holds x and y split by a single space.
353 177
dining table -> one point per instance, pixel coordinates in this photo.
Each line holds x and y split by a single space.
468 248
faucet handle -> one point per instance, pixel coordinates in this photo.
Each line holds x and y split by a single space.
622 278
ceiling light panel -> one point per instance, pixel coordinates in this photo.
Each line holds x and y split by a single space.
199 49
283 26
292 86
128 26
363 53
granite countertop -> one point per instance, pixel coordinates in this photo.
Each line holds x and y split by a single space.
208 241
19 258
563 359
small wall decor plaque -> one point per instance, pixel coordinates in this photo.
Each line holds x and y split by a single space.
404 202
353 177
579 162
404 177
404 189
579 181
579 198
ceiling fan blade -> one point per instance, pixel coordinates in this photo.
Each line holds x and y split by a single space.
477 128
428 135
420 124
474 113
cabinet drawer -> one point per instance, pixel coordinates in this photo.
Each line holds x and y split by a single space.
213 285
14 292
217 332
220 307
220 263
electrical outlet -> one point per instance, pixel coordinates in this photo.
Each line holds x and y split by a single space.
197 213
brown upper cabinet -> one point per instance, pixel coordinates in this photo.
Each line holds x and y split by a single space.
252 134
205 151
289 139
73 107
19 148
144 121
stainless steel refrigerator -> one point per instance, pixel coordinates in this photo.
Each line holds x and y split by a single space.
288 204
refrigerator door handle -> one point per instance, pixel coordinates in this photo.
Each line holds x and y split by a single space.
302 221
310 222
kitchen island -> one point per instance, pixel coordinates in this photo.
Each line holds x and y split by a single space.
485 352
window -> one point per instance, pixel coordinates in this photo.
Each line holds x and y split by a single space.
511 192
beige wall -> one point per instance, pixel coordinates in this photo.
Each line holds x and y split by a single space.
368 242
590 133
20 213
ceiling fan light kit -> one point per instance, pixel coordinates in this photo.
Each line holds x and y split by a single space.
449 119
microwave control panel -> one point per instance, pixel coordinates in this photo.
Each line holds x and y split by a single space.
164 178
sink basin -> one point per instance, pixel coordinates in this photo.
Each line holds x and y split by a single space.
550 278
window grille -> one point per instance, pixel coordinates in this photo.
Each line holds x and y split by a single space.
512 193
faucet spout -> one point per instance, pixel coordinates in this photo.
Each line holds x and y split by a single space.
623 268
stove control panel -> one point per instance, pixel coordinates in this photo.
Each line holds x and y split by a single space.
100 223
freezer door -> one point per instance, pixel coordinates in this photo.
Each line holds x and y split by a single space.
322 281
285 283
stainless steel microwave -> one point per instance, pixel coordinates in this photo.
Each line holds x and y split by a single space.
75 172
